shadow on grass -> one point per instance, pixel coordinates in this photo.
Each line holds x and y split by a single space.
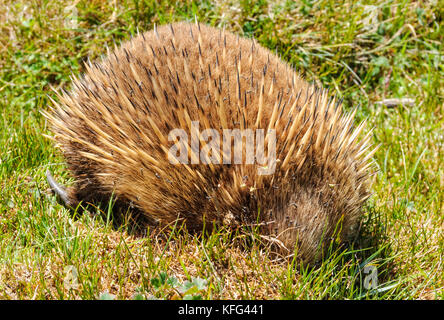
360 269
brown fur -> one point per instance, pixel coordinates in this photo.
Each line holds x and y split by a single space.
113 130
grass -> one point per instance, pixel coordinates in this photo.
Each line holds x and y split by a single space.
364 52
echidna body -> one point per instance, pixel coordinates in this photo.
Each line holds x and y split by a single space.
113 127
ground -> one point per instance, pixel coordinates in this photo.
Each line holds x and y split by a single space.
365 53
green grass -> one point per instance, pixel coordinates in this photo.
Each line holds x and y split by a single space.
365 53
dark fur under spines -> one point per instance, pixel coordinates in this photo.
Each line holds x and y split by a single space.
113 128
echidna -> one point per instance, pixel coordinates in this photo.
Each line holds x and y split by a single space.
114 128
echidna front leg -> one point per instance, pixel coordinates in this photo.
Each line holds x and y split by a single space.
61 191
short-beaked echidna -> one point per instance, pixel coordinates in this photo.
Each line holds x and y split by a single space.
114 128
